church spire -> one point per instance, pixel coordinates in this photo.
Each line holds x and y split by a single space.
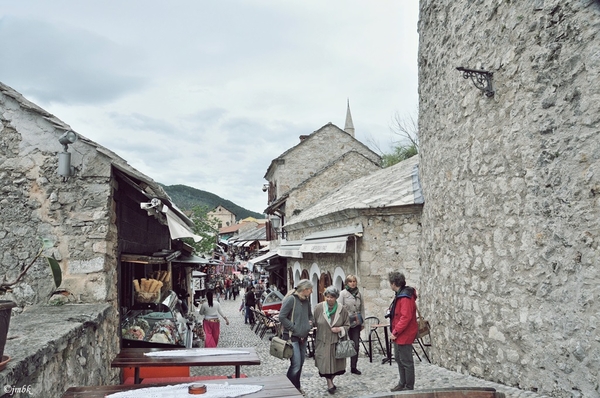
349 127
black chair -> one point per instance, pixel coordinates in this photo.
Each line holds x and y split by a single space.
369 335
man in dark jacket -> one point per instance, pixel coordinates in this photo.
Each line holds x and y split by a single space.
403 329
297 321
250 303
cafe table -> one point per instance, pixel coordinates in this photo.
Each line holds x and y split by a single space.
137 358
276 386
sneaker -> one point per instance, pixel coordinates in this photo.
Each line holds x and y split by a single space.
398 388
355 371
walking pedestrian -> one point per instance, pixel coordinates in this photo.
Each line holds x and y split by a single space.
351 299
250 304
403 329
297 320
211 324
331 320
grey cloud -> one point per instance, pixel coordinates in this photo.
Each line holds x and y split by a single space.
57 64
137 121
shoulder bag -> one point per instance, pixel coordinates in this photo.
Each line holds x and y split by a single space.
280 348
423 325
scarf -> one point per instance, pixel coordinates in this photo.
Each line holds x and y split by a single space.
328 312
353 291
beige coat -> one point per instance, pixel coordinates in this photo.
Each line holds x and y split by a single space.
325 342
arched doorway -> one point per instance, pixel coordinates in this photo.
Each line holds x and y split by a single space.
304 274
290 278
324 282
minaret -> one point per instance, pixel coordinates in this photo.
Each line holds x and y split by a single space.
349 127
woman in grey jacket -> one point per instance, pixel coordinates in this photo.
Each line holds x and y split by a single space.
351 299
297 319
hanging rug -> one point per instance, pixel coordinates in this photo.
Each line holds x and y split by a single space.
181 390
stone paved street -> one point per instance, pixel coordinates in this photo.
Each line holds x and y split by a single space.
375 378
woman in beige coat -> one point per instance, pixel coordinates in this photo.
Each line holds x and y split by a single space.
331 320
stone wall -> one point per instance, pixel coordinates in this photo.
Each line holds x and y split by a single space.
313 154
389 243
75 214
511 222
347 168
53 348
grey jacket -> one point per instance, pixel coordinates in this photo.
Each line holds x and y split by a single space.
301 325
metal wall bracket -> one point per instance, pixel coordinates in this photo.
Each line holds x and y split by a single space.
481 79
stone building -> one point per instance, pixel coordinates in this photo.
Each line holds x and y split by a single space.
93 214
511 182
367 228
322 162
225 217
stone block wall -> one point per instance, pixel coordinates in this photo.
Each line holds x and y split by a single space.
349 167
53 348
75 214
313 154
511 222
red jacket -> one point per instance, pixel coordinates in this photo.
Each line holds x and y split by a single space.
403 316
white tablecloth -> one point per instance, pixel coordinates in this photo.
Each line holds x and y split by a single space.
194 352
181 390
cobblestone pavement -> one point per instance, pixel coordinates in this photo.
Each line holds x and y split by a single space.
376 377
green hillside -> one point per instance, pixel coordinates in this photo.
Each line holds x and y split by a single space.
187 197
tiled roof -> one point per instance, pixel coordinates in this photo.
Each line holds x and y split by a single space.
397 185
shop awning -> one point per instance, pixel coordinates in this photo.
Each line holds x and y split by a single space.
262 258
191 260
290 249
326 245
330 241
248 243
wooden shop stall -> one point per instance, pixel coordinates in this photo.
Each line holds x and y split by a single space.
154 301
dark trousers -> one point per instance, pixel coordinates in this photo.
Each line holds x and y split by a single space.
354 335
406 365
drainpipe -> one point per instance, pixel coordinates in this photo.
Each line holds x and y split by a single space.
355 256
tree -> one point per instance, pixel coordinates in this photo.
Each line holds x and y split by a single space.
407 145
205 226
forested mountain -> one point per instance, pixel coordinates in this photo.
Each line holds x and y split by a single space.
187 197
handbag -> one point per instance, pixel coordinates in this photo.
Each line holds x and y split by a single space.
345 349
423 325
281 348
356 319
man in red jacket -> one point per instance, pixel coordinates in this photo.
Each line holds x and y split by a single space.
403 329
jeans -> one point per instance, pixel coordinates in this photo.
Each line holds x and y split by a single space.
354 334
249 316
406 365
296 362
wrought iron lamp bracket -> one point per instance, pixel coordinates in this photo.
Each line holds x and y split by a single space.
481 79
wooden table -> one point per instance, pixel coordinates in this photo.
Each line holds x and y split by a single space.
277 386
135 358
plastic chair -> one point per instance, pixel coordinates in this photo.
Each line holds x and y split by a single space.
369 335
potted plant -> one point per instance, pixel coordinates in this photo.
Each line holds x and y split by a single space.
6 306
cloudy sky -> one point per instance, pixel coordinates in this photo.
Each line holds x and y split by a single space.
207 93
